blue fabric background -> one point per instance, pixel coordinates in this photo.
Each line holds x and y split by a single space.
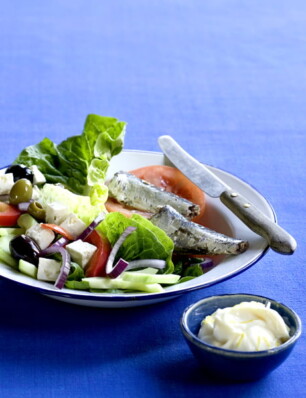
227 79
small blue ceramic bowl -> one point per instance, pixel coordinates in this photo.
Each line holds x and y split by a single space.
236 365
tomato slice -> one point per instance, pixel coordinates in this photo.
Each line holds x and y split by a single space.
58 230
112 205
171 180
96 266
8 215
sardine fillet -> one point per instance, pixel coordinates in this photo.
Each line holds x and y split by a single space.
192 238
134 192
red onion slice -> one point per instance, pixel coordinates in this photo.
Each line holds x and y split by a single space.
117 270
61 242
152 263
206 264
109 265
87 231
23 206
66 264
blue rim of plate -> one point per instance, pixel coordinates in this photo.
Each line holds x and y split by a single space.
87 296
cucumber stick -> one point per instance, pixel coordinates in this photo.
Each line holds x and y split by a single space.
164 279
11 232
118 283
5 253
148 270
26 221
6 258
79 285
27 268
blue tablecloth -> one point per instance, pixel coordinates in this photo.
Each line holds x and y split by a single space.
226 79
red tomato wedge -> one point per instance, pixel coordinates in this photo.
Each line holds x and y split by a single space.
58 230
96 266
171 180
8 215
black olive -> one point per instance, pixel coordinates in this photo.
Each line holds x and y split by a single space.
24 248
20 171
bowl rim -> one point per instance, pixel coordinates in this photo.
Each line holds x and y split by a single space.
192 338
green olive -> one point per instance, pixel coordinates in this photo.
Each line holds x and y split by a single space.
36 210
21 191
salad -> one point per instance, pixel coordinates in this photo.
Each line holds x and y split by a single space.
63 223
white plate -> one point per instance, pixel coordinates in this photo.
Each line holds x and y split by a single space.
218 217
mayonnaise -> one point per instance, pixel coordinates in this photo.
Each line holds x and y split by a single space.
248 326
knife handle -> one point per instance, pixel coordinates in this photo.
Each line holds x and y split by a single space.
279 240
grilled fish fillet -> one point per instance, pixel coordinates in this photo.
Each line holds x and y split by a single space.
192 238
139 194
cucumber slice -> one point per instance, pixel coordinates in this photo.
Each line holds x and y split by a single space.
97 282
5 253
27 268
167 279
118 283
8 259
11 231
148 270
78 285
26 221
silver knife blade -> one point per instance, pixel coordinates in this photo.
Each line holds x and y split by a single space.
192 168
277 238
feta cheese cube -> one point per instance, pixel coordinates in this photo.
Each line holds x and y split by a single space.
56 212
38 177
35 193
42 236
48 269
74 225
6 183
81 252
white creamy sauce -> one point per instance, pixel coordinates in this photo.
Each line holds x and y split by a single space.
248 326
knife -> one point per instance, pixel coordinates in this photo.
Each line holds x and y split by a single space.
278 239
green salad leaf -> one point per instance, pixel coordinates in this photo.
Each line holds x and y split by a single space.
146 242
193 270
80 162
76 272
188 267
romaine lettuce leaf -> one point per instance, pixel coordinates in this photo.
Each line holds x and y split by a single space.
104 135
146 242
80 161
45 156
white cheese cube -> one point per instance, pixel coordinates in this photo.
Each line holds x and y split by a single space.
48 269
38 177
6 183
42 236
35 193
81 252
73 225
56 212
